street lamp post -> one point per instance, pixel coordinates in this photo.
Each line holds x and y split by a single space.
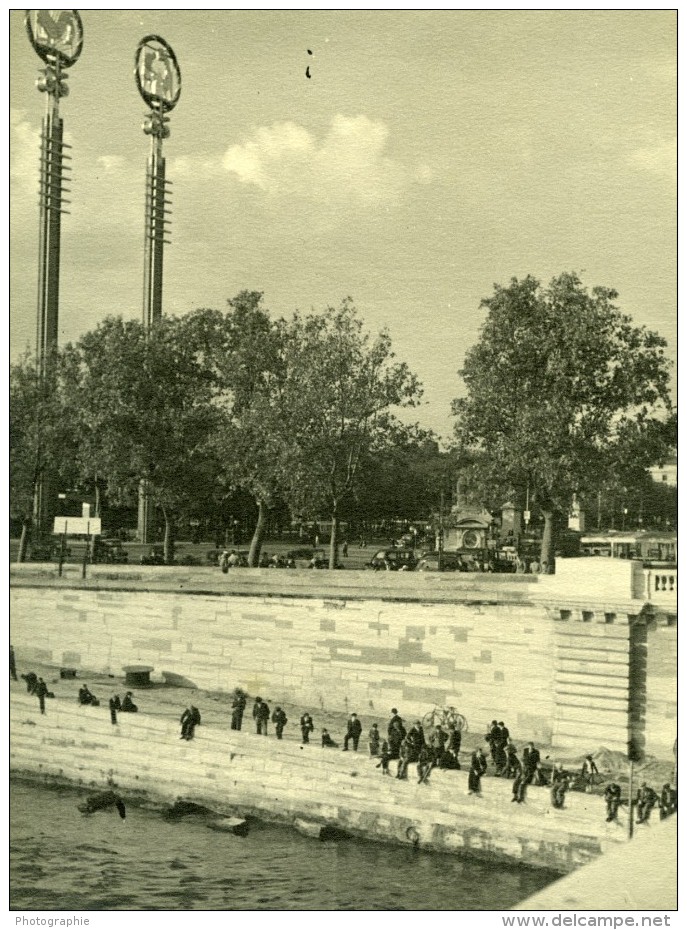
57 39
158 79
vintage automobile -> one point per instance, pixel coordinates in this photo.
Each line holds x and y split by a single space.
450 562
392 560
111 552
156 556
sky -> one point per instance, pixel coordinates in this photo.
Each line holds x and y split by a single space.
429 156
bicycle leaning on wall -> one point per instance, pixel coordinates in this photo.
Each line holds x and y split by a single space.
445 717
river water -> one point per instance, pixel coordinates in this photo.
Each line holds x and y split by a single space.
63 860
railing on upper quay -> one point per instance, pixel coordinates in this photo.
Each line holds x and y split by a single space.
660 585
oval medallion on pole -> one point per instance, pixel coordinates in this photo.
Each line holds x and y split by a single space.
56 35
158 77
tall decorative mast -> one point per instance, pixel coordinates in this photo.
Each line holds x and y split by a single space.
57 38
159 83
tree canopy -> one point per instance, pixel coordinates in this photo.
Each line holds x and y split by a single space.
340 391
562 388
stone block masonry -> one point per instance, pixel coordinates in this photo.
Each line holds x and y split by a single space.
243 774
367 655
563 665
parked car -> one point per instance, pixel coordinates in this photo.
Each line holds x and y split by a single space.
393 560
301 553
450 562
45 551
111 552
156 556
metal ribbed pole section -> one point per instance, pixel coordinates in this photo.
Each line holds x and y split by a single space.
156 225
51 203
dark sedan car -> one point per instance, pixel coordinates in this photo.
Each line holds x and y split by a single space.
393 560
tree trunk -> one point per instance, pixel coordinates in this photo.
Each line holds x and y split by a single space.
548 542
334 541
169 537
24 541
258 535
97 499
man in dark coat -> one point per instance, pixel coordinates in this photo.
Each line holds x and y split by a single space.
397 734
425 764
261 714
395 719
190 719
455 739
128 706
530 760
478 767
353 730
667 803
13 665
437 742
31 680
646 798
279 720
416 735
493 738
238 705
86 697
513 766
41 692
307 726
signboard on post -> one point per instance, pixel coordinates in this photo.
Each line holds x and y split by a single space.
77 526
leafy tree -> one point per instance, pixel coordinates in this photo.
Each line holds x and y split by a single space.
253 441
561 388
146 404
41 438
340 388
403 480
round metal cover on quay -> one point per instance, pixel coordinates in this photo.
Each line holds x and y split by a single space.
158 77
55 35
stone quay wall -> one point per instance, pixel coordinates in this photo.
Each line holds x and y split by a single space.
577 660
244 774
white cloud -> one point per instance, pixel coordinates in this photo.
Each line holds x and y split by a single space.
111 162
25 142
348 164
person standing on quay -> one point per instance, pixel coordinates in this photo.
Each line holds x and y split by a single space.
395 722
41 692
478 767
307 726
190 719
261 714
589 770
530 760
279 720
237 708
374 740
384 759
353 730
